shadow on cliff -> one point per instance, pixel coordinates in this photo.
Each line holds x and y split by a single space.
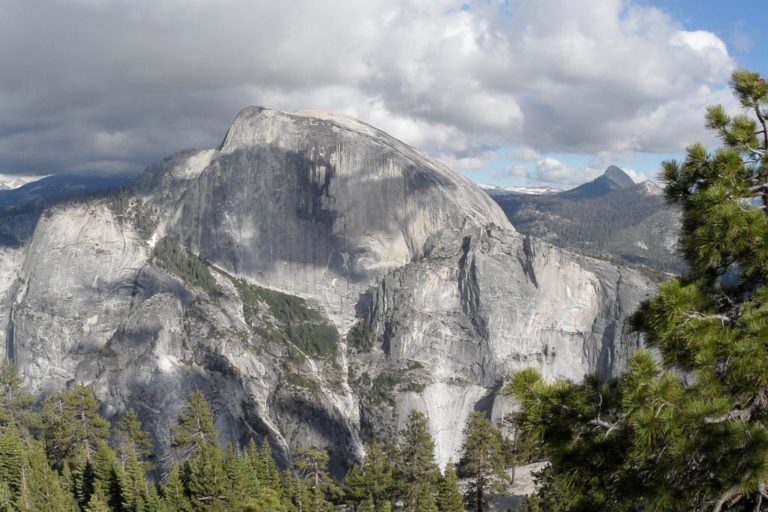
256 208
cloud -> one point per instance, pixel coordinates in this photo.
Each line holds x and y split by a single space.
525 155
511 172
97 85
551 171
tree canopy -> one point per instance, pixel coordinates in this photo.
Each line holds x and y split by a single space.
686 427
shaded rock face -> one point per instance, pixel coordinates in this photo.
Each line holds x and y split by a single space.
320 205
325 280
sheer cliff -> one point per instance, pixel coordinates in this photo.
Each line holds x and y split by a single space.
318 279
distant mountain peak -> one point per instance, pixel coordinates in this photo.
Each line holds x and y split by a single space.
618 176
11 181
612 179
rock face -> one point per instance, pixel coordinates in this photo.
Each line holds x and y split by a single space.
318 279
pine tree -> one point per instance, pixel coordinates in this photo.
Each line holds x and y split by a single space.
72 423
355 489
15 403
311 466
653 440
373 481
97 503
417 471
12 461
47 493
67 479
207 482
296 494
195 427
174 495
483 460
242 481
131 438
108 477
83 479
268 473
134 489
449 499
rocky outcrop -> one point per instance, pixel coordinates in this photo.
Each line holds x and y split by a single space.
318 279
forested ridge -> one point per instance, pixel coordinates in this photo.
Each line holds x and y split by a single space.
62 455
627 225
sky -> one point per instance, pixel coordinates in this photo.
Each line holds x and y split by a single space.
508 92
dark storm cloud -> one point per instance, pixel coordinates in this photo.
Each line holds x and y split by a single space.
104 86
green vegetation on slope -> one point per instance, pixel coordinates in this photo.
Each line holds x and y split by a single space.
627 224
287 319
67 458
171 256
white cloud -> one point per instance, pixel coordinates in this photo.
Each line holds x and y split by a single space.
525 155
637 176
515 171
551 171
90 81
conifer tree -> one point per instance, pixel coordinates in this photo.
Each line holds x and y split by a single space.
12 460
355 489
653 440
14 401
83 479
73 425
268 473
311 466
135 492
483 460
47 493
67 480
243 479
6 499
174 495
417 471
131 438
195 428
98 503
207 481
449 499
297 494
107 476
373 481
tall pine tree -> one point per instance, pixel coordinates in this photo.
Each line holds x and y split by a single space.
653 440
450 499
72 425
417 471
483 460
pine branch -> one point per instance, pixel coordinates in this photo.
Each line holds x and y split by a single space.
606 424
758 403
700 316
762 121
729 497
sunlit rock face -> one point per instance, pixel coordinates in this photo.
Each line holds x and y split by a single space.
350 280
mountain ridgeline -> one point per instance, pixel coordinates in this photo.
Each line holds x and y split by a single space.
611 218
317 280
